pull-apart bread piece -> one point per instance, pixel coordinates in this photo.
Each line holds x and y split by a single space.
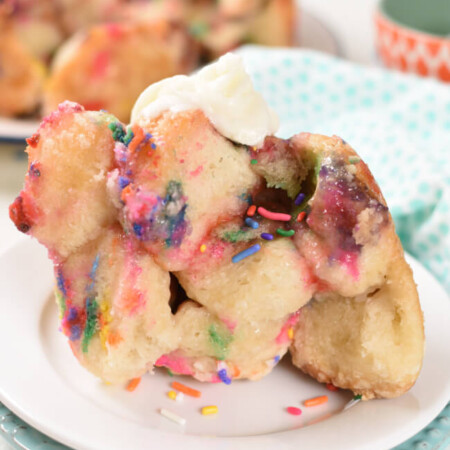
98 69
21 73
194 239
363 328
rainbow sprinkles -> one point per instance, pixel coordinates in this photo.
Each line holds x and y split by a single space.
193 238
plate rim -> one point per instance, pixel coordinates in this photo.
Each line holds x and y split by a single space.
192 441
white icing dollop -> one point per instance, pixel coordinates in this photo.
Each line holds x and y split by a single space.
223 91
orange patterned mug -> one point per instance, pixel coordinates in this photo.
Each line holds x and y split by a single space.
414 36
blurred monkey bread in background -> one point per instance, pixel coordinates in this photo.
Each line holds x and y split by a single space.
103 53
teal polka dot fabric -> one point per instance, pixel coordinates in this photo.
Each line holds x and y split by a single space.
399 124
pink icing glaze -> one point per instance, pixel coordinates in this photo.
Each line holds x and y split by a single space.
176 254
350 261
230 324
177 364
283 337
63 108
196 172
100 64
114 31
217 249
120 152
140 204
132 301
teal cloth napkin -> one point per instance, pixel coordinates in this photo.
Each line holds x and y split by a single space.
399 124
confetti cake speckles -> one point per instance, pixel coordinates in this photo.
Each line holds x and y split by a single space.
180 246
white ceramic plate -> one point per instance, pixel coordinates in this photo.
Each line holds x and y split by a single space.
313 34
16 130
41 382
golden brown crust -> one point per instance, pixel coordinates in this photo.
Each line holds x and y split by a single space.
21 75
324 146
103 73
262 22
325 369
158 48
275 25
370 341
